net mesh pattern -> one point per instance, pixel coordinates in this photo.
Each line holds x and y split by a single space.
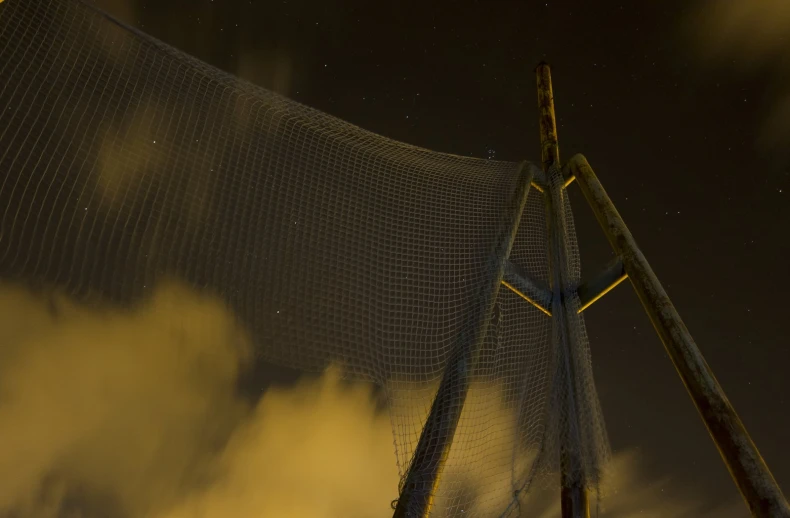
578 434
125 162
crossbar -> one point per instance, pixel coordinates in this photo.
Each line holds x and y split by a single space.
520 283
607 280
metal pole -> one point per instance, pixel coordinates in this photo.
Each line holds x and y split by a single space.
573 494
747 467
549 145
433 448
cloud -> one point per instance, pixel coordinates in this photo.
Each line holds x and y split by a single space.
124 10
135 414
138 157
319 449
630 491
750 31
750 35
99 403
269 68
129 155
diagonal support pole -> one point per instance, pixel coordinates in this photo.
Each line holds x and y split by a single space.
747 467
433 448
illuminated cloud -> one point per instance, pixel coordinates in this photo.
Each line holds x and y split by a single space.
112 409
750 35
750 31
272 69
135 413
124 10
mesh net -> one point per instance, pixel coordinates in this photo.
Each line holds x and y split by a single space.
580 442
125 162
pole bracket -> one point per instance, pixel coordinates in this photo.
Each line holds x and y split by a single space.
592 290
567 174
517 280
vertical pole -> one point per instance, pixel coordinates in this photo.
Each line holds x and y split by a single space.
549 145
747 467
573 494
433 448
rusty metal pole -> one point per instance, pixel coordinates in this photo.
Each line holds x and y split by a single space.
433 448
743 460
573 494
549 145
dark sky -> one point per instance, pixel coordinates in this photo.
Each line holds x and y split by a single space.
678 140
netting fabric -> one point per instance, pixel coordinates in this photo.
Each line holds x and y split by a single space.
580 440
125 162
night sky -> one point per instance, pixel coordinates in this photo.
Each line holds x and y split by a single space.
680 138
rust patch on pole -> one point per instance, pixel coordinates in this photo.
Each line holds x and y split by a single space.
549 145
747 467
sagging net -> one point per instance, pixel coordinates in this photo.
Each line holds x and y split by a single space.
125 162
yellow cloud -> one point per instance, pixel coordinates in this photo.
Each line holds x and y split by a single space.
135 413
748 35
